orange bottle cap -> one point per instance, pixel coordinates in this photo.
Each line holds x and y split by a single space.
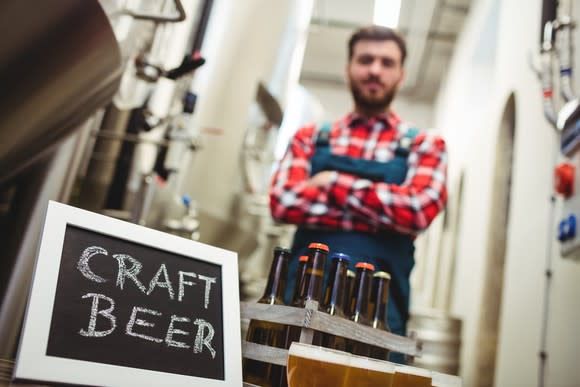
303 258
320 246
365 265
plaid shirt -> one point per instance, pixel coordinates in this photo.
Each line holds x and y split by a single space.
352 203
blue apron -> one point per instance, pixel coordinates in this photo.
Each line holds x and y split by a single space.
388 250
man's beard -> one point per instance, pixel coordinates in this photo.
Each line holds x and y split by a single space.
374 105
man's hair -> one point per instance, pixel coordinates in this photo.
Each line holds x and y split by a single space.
381 33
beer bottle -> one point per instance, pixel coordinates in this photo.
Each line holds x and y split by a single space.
360 302
334 293
379 300
311 285
348 292
300 274
310 289
268 333
334 298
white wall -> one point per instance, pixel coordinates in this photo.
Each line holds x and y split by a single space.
491 62
461 113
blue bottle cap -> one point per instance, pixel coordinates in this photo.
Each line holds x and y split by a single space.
342 256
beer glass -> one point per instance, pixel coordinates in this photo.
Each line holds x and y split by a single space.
313 366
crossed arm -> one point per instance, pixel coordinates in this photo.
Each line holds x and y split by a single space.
342 200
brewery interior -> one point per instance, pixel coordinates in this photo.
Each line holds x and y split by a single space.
101 111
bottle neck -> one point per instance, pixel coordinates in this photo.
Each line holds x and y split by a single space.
362 289
298 286
335 291
274 292
381 297
349 291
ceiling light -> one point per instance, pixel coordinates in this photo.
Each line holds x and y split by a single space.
387 13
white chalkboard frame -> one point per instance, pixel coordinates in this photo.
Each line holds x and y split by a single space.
33 364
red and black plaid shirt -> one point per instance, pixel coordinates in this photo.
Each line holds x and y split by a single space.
352 203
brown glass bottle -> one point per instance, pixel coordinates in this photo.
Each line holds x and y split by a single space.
263 332
348 293
379 302
360 303
334 298
311 285
300 274
296 299
310 289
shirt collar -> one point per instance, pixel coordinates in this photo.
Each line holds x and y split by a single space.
390 119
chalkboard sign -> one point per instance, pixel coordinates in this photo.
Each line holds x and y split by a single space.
113 303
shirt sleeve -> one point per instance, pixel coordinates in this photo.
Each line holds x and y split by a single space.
408 208
291 200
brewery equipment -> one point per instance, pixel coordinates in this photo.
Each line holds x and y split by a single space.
58 66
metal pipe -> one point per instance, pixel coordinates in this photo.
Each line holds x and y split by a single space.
170 45
101 168
546 39
546 74
543 353
565 48
201 24
548 15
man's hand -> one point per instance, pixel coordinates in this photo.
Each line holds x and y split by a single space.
321 179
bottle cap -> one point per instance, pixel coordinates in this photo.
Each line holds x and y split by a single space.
279 250
365 265
382 274
303 258
320 246
344 257
350 273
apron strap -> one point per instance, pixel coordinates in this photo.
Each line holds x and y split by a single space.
405 142
323 135
403 147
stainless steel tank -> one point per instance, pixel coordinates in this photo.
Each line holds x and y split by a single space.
59 61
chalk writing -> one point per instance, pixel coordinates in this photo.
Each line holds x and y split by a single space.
203 338
165 284
182 283
124 271
173 331
200 339
129 273
83 264
92 332
137 305
208 282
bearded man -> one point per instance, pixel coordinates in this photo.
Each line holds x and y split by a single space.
367 184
